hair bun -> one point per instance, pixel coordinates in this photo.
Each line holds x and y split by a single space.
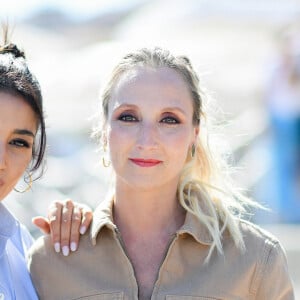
12 48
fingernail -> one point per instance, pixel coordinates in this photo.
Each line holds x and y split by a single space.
82 229
57 247
65 250
73 246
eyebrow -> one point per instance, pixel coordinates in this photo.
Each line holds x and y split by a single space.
175 108
125 105
170 109
24 132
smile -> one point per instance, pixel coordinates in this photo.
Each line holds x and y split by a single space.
145 162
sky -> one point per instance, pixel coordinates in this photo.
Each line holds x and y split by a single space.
16 10
76 8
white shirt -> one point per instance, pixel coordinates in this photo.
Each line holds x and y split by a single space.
15 240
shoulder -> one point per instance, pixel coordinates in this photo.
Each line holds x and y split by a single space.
48 268
266 253
20 238
26 237
42 254
261 249
256 237
43 247
258 245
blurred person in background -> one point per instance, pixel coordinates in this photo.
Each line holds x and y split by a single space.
22 148
283 100
174 226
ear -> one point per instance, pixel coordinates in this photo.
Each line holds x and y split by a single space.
196 134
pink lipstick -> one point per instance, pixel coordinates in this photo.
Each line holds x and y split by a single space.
145 162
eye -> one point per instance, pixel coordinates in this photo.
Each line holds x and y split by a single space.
127 118
170 120
19 143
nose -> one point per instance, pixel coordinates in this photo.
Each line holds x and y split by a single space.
2 156
148 137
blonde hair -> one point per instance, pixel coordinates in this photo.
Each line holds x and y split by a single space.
205 188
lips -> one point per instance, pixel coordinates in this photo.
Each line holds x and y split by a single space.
145 162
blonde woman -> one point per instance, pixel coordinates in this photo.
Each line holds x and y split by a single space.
173 227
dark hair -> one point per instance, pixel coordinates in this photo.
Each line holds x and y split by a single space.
17 79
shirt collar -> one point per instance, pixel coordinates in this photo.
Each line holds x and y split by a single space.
8 226
103 218
196 229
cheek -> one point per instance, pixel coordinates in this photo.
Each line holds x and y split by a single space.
180 151
120 141
178 140
121 136
179 145
17 167
21 163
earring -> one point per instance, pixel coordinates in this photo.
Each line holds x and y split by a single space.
29 184
105 163
193 150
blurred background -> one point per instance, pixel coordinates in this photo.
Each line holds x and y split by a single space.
247 53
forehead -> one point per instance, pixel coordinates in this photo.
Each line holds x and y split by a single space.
151 75
163 85
16 113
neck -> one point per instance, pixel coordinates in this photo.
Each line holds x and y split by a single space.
147 211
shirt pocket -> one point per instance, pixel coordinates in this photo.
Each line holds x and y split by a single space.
103 296
171 297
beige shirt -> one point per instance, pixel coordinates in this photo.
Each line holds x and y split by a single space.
100 268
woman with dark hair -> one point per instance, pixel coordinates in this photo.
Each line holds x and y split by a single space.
22 150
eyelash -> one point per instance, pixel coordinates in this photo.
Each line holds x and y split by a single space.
171 120
127 118
20 144
131 118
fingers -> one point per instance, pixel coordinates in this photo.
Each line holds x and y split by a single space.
74 231
60 219
66 224
67 220
42 223
54 217
87 216
81 219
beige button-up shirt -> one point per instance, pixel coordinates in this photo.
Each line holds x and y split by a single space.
100 268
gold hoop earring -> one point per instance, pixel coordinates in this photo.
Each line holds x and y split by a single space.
193 151
105 163
28 183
